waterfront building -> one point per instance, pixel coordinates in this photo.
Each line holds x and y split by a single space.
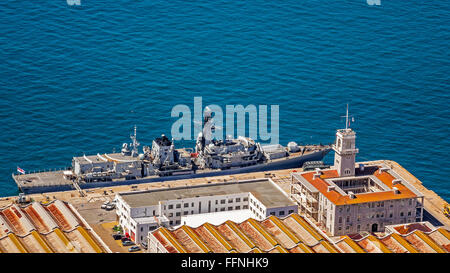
141 212
350 198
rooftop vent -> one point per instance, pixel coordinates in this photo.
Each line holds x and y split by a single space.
384 169
331 188
396 191
396 181
318 173
351 195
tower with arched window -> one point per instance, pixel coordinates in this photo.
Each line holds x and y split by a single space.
345 150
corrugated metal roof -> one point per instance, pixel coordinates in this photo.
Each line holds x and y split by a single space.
272 235
416 241
296 235
50 228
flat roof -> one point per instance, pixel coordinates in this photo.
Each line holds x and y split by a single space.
263 189
107 157
216 218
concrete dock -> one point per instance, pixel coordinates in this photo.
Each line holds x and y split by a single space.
87 202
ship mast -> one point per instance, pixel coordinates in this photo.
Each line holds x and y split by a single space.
135 143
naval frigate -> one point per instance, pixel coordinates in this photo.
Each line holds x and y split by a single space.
164 162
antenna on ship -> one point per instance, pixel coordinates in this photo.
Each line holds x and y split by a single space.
135 143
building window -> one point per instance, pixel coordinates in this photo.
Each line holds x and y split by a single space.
409 213
281 212
178 214
186 205
230 200
340 220
230 208
185 213
238 207
171 214
245 199
142 229
390 215
272 213
238 199
222 201
401 214
222 209
245 207
291 211
178 206
170 206
177 222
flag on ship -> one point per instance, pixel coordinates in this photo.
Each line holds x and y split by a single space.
19 170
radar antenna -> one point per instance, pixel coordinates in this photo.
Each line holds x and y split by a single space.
135 143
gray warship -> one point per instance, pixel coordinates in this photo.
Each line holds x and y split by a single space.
164 162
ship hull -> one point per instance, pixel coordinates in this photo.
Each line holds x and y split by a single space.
288 163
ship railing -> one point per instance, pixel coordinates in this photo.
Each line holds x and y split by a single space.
45 170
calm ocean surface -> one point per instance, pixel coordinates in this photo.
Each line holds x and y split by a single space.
76 79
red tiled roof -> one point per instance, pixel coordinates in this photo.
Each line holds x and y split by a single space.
338 199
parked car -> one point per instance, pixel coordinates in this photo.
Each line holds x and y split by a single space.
117 236
127 243
134 248
124 238
144 244
110 207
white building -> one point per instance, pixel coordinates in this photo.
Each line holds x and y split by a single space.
140 212
346 199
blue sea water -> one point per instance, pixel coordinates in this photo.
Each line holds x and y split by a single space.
76 79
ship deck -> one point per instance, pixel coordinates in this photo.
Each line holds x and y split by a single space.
41 179
54 179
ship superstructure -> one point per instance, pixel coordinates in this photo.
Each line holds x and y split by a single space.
163 161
